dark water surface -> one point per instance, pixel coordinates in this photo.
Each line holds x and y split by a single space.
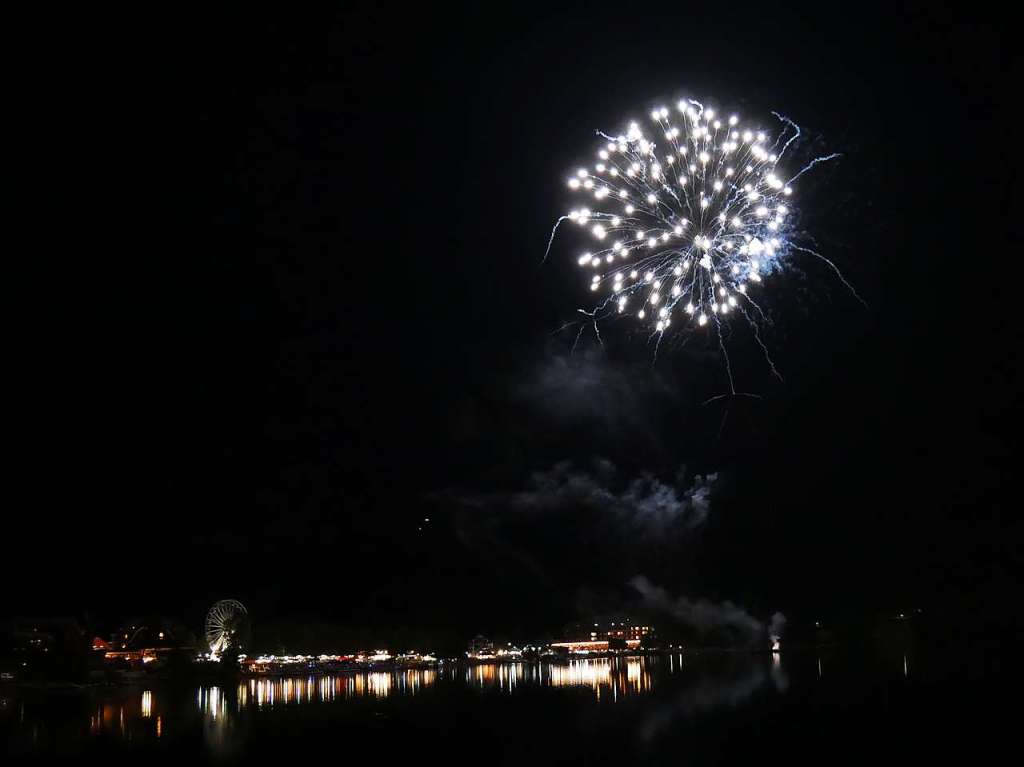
698 709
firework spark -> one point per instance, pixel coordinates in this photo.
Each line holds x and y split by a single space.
690 218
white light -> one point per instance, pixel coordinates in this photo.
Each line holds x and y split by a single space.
735 203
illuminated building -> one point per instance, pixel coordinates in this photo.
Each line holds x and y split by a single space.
618 634
596 645
144 641
480 647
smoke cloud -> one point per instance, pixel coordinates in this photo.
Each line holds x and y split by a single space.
725 618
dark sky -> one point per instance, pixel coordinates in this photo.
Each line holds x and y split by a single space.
345 326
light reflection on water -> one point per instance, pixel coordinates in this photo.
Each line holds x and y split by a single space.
224 713
609 676
138 714
270 692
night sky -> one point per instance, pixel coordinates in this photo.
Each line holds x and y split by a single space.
343 327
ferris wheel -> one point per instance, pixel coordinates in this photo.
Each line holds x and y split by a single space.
225 624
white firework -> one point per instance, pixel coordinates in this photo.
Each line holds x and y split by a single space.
689 215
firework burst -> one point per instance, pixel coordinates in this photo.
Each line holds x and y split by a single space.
690 217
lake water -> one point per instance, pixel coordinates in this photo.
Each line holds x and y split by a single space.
691 709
